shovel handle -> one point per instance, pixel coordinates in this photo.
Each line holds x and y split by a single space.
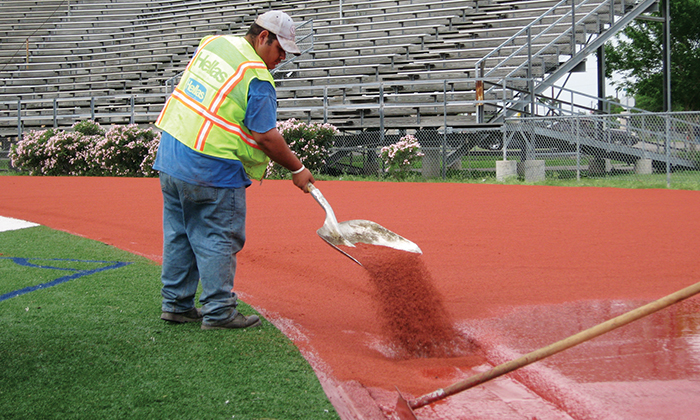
316 194
564 344
331 222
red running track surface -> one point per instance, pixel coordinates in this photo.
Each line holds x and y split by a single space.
517 267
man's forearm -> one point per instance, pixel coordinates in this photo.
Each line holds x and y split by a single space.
274 146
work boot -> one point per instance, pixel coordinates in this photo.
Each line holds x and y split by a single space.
238 321
193 315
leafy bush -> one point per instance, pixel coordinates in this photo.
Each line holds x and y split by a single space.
68 153
399 158
89 128
309 141
29 153
87 150
123 149
148 161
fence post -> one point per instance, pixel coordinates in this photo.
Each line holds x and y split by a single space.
325 104
531 80
444 134
504 138
479 88
578 149
381 112
573 28
668 149
19 119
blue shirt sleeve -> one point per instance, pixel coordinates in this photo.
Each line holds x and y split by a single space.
261 113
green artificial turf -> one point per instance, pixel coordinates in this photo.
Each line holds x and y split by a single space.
95 347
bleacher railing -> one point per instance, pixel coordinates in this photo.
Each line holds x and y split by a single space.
385 100
304 40
16 116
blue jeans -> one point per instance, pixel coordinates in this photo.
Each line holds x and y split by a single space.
203 230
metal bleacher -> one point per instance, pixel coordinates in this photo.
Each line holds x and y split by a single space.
371 65
414 64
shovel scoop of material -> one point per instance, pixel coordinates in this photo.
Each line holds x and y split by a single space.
347 234
352 232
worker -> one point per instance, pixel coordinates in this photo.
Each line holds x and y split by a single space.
219 131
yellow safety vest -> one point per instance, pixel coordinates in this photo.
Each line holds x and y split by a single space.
206 110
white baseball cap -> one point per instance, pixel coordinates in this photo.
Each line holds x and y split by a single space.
280 24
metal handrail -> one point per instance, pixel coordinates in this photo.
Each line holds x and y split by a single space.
481 63
301 40
571 31
66 111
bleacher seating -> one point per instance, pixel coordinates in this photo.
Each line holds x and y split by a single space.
415 52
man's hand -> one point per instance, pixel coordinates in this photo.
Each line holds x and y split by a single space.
303 179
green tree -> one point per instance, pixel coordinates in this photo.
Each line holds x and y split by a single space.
637 54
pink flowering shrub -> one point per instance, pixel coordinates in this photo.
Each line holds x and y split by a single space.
68 153
399 158
123 149
87 150
29 154
311 143
150 158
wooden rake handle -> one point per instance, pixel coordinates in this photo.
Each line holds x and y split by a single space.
564 344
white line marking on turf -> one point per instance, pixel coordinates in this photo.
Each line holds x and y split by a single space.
8 223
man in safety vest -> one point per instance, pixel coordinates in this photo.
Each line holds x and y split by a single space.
219 131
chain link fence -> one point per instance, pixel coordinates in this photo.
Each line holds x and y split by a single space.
646 148
458 154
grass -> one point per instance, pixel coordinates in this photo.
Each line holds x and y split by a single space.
94 346
560 178
480 167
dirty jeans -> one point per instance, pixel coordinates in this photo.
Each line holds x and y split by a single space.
203 229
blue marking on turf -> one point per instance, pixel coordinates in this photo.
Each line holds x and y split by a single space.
25 262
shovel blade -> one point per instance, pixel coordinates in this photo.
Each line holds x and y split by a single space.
332 241
363 231
366 232
347 234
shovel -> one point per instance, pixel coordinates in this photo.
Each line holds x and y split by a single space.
347 234
404 409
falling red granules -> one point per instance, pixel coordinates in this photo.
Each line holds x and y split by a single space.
411 309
